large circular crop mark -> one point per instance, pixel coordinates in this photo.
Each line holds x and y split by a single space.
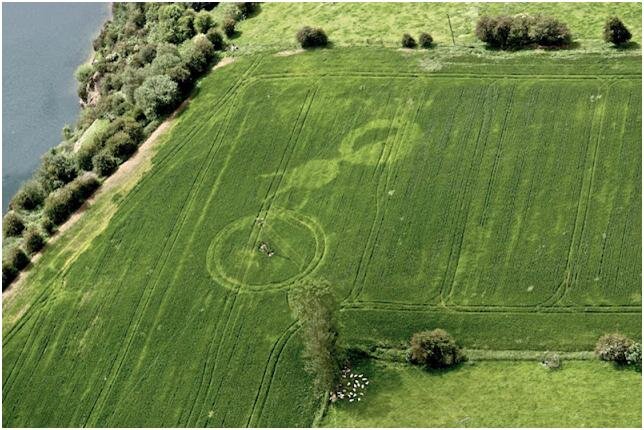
261 254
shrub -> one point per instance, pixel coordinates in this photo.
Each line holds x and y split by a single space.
425 40
60 204
83 73
145 55
228 25
12 224
549 31
246 9
29 196
156 96
17 258
87 151
34 240
435 349
203 22
216 39
309 37
57 169
105 163
408 41
13 262
616 32
9 273
197 54
613 347
519 31
121 145
48 225
634 355
202 5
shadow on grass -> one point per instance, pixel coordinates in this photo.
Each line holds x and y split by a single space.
627 46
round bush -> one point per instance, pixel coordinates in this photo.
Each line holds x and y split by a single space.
408 41
121 145
203 21
87 151
613 347
216 39
12 224
48 225
309 37
60 204
228 25
34 241
57 169
105 163
425 40
17 258
30 196
615 31
9 273
435 349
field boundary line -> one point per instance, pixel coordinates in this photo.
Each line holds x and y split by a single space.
487 309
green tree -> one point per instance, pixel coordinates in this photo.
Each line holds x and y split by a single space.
203 22
314 305
156 96
29 196
435 349
12 224
197 54
57 169
615 31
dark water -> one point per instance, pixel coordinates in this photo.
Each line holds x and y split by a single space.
42 44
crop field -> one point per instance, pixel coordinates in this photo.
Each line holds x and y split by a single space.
496 198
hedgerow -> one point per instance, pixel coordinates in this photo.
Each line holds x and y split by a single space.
60 204
146 60
521 31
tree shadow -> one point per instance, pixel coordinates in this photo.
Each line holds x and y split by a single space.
626 46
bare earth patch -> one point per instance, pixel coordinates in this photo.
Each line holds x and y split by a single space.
224 62
134 166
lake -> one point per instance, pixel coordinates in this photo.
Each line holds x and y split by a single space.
42 44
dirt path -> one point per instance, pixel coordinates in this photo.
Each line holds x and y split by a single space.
136 164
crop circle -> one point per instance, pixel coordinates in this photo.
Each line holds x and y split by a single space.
257 253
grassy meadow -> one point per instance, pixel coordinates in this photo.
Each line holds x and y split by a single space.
382 24
495 394
496 196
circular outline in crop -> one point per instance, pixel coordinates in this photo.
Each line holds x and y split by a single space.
218 273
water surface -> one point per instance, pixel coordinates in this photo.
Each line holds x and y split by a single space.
42 44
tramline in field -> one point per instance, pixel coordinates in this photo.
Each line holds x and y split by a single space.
498 199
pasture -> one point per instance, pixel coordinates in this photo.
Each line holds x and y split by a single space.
497 198
495 394
382 25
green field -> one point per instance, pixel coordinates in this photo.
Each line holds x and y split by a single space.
382 24
498 198
495 394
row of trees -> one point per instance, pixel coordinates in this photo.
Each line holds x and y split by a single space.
146 61
522 30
